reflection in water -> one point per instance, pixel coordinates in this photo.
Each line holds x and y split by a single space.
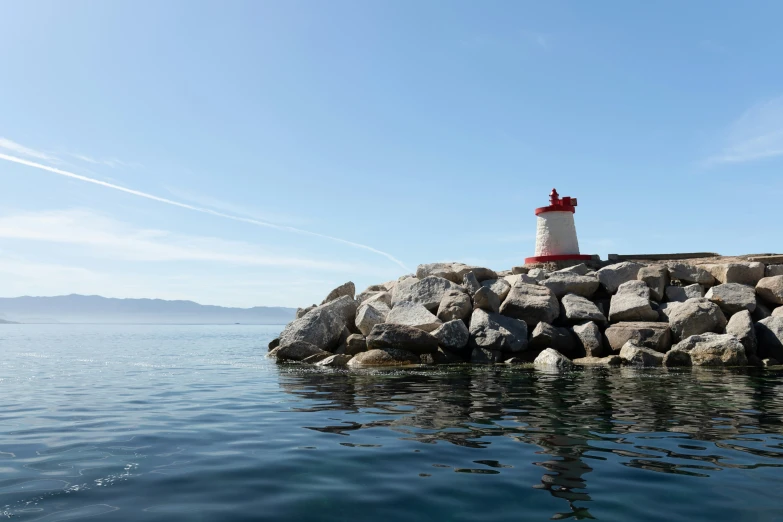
692 423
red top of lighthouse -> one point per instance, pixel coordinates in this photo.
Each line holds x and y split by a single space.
558 204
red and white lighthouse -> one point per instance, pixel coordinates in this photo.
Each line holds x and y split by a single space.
555 232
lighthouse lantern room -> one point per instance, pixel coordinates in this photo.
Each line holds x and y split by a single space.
555 232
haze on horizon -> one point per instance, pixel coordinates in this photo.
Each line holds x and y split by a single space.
259 153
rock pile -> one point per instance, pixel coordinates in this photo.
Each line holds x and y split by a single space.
663 314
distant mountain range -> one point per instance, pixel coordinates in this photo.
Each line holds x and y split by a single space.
96 309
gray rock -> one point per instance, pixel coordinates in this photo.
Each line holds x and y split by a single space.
545 335
552 360
428 292
612 276
385 357
769 335
777 312
334 361
742 273
481 355
322 326
344 289
355 343
274 343
377 298
296 351
486 299
770 289
680 294
455 305
415 315
301 312
497 332
577 309
741 326
761 311
657 278
665 309
539 274
318 357
588 337
610 360
444 270
470 283
566 283
407 338
675 358
519 270
773 270
513 279
448 357
636 355
453 335
367 294
733 297
657 336
501 287
632 303
531 303
710 349
690 274
580 269
696 316
481 273
368 316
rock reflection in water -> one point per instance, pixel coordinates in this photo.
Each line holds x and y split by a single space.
716 419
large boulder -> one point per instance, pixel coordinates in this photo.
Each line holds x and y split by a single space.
777 312
710 349
386 357
632 303
680 294
301 312
413 314
580 269
444 270
531 303
355 343
770 289
297 351
769 335
690 274
552 360
656 277
733 297
657 336
453 335
481 273
480 355
407 338
636 355
368 316
538 274
344 289
428 292
773 270
612 276
334 361
743 273
486 299
696 316
562 283
377 299
588 337
741 326
455 305
609 360
577 309
544 335
497 332
322 326
500 286
470 283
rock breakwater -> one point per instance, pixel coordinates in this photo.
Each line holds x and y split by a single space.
660 313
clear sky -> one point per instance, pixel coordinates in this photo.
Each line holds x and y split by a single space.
272 150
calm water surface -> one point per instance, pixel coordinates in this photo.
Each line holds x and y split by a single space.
194 423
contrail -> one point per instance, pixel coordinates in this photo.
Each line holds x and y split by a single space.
159 199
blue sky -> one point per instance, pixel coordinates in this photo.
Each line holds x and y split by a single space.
272 150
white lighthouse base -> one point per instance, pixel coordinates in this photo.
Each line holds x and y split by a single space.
556 238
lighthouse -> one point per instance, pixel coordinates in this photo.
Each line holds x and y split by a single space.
555 232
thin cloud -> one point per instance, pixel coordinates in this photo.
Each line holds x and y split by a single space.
113 162
757 134
193 208
108 238
24 151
